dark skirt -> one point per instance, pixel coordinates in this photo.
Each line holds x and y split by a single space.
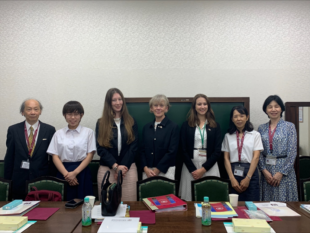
252 192
85 187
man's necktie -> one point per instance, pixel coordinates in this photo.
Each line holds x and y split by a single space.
30 140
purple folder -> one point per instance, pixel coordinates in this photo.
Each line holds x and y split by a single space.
146 216
40 213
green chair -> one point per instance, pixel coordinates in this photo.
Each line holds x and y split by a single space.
156 186
48 183
215 188
305 189
5 190
1 169
304 165
94 166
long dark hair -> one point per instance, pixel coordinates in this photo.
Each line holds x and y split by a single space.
192 114
232 127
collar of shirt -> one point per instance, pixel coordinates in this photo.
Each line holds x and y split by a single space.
78 129
34 126
162 123
246 132
205 123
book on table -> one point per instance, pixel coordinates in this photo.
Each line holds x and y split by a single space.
218 210
21 209
165 203
305 207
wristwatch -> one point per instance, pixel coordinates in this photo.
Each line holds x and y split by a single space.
115 168
249 177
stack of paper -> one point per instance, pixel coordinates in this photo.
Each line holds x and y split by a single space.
21 209
12 223
230 229
96 213
120 225
218 210
250 225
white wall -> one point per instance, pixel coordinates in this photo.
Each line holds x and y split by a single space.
58 51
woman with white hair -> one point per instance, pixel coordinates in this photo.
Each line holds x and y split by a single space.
160 141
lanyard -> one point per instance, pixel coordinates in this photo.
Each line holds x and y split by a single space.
203 134
30 147
238 144
271 137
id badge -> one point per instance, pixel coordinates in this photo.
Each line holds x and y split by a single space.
25 165
202 152
271 160
239 171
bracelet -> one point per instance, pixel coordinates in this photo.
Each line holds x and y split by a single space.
249 177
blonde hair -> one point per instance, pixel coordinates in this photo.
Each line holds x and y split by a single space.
107 120
158 99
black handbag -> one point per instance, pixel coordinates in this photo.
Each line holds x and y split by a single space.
111 194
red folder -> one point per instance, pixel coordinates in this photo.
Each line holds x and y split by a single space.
41 213
165 203
146 216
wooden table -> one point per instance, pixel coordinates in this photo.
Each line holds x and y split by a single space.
296 207
63 221
186 222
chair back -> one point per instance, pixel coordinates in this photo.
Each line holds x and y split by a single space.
305 189
48 183
1 169
156 186
5 190
304 165
215 188
94 166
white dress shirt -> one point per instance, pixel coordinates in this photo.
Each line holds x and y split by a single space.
72 145
34 126
119 135
252 142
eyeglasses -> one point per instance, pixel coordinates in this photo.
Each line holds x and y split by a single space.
74 114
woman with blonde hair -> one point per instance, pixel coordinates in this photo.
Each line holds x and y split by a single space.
200 143
117 144
160 141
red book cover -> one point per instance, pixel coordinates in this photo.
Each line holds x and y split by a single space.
165 203
218 207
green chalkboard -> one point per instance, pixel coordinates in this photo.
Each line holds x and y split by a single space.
139 109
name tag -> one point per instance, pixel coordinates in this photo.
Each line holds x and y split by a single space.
202 152
25 165
271 160
239 171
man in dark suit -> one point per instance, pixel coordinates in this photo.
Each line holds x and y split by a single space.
27 143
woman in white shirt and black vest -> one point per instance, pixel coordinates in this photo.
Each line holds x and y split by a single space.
117 144
242 146
73 148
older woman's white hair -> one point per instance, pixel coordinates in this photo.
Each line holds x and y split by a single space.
158 99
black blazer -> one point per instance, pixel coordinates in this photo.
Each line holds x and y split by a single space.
160 147
17 152
109 156
214 143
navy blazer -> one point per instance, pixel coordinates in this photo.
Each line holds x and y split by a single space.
160 147
214 143
17 152
109 156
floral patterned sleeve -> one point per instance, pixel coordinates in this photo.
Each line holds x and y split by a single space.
291 151
261 163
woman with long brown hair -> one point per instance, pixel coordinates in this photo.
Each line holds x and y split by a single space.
200 143
117 144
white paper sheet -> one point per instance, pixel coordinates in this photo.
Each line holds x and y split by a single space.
270 204
96 212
